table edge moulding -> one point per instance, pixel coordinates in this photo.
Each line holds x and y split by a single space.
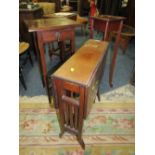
44 24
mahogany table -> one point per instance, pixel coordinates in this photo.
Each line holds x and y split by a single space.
76 84
49 30
107 24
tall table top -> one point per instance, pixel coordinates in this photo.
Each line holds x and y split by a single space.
108 18
81 66
35 25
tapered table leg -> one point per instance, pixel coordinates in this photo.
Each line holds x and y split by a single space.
98 95
38 56
112 65
81 142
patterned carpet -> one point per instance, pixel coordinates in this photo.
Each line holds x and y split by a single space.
108 130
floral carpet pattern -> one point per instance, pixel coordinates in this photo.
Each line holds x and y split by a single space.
108 130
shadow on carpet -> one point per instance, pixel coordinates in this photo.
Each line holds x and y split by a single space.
108 130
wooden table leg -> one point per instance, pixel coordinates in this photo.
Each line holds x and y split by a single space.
98 94
42 59
124 43
70 35
112 65
106 34
73 42
61 121
91 27
70 110
62 50
38 57
35 44
80 123
81 142
57 85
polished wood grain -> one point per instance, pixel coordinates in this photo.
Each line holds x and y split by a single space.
50 24
76 84
81 65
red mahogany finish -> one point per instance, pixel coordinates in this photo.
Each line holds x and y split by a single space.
76 84
107 24
49 30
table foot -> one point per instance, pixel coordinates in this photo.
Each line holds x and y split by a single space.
61 134
98 95
81 142
111 85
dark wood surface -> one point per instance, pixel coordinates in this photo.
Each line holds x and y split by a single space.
107 24
108 18
76 84
92 51
50 24
49 30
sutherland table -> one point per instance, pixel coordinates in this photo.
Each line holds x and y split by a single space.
107 24
76 84
49 30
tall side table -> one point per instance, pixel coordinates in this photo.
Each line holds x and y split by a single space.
49 30
107 24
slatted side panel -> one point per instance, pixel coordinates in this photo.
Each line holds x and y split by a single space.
71 106
71 114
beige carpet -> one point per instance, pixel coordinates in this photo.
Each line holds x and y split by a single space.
108 130
125 94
